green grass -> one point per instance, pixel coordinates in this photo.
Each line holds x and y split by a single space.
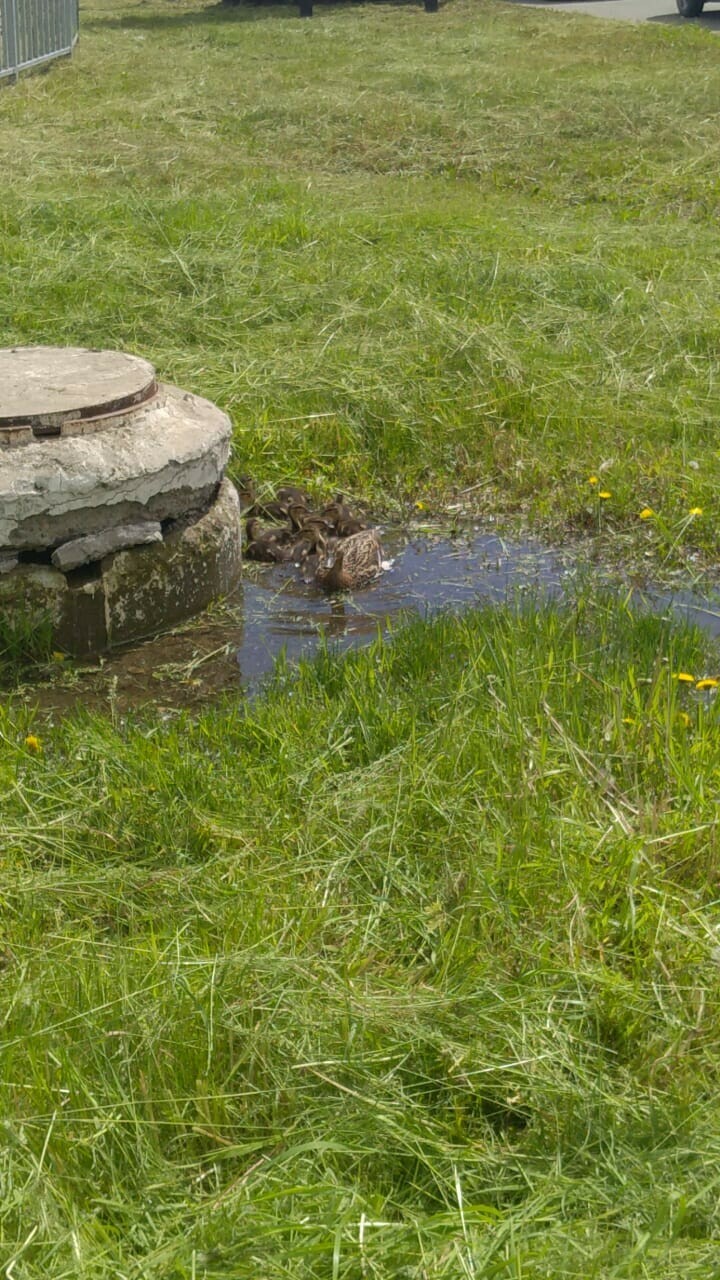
409 969
25 645
409 254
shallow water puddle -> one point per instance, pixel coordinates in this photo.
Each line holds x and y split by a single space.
233 648
426 574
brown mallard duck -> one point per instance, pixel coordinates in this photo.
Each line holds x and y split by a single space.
354 562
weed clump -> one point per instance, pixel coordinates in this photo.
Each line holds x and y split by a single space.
26 642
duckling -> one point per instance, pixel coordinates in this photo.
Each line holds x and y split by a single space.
354 563
268 545
317 560
269 510
337 510
298 514
245 486
305 547
317 524
345 528
269 552
289 493
315 538
254 531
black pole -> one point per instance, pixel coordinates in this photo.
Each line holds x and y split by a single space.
431 6
306 8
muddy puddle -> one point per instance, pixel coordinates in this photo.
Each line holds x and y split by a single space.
233 648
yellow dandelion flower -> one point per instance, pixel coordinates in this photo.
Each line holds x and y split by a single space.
696 511
33 744
684 677
57 656
604 493
647 513
592 479
419 506
684 718
628 720
708 683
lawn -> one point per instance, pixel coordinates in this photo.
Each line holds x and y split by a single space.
410 968
409 254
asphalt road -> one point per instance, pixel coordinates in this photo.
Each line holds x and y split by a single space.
635 11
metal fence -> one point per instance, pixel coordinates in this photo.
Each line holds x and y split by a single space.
35 31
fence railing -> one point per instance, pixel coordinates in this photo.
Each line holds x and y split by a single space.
35 31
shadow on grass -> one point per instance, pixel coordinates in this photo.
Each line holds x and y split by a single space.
234 11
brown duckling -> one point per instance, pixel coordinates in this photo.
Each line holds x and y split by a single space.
268 545
298 514
305 547
269 510
345 528
256 532
289 494
317 560
318 525
354 563
315 538
337 510
245 486
269 552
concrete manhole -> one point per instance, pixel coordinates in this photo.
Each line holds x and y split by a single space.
115 516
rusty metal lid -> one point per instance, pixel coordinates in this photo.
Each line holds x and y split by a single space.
43 390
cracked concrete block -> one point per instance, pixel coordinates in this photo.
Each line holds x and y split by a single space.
167 456
8 562
137 591
91 440
70 555
96 460
158 586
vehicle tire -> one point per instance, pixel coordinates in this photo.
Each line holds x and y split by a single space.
690 8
